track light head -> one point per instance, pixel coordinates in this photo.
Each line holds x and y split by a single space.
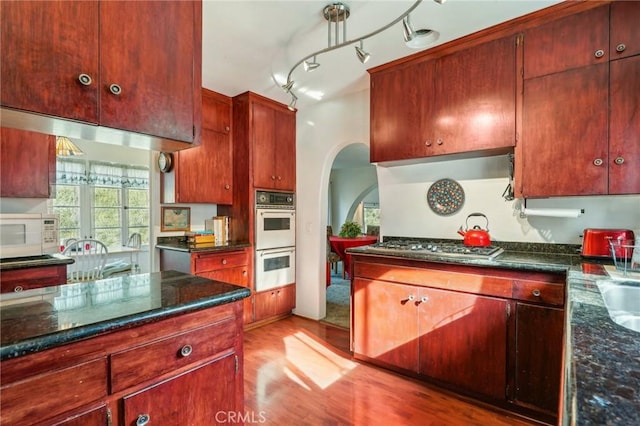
287 86
311 66
363 56
417 39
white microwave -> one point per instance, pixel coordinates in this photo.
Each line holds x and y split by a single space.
28 234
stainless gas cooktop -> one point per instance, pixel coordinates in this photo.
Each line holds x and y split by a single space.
449 249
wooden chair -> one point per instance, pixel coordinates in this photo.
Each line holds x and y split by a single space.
332 257
121 266
90 258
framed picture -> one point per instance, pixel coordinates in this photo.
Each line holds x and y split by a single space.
176 219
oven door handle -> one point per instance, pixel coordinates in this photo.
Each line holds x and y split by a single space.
269 252
279 213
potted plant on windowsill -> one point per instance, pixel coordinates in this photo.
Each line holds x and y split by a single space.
350 230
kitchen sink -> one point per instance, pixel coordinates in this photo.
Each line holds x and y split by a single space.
622 300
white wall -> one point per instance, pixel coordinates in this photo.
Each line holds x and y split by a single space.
324 130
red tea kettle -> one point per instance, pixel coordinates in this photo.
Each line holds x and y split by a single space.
476 237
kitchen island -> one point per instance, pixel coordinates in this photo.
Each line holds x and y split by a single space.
600 371
122 350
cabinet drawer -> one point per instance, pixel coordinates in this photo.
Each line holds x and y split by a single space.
47 395
163 356
25 279
536 291
210 262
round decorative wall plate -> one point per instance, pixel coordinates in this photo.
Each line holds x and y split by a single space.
445 197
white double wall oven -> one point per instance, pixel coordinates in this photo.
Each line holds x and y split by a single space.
275 239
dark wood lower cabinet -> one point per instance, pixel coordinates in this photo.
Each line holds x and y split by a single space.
539 331
275 302
182 370
488 333
169 402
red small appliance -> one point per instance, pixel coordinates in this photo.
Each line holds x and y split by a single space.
595 242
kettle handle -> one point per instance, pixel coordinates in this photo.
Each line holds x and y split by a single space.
477 214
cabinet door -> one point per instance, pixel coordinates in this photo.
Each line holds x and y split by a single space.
204 174
624 127
564 133
567 43
147 49
238 276
625 32
274 302
46 46
401 113
539 336
263 134
285 150
385 322
202 396
216 112
27 163
94 416
463 340
475 94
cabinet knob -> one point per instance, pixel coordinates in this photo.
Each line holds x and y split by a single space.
18 288
143 420
411 297
115 89
279 177
186 350
597 162
224 261
440 141
244 273
428 143
424 299
620 47
273 177
619 160
85 79
599 53
227 128
536 292
227 186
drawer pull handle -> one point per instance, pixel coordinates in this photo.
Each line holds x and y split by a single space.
224 261
620 47
599 53
536 293
18 288
143 420
186 350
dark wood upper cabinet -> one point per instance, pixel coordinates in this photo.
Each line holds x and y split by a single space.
624 126
27 164
464 101
46 47
565 133
579 110
130 66
625 31
571 42
204 174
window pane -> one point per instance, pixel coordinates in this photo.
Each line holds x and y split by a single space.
67 206
106 218
139 198
110 237
106 197
144 233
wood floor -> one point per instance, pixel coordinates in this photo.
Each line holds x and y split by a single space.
299 372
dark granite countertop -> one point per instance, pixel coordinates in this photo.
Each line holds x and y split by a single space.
45 318
602 358
180 244
34 262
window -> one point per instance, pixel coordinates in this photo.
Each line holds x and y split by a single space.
371 215
102 200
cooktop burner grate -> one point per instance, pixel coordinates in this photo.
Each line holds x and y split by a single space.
439 248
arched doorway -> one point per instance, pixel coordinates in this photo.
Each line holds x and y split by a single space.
353 188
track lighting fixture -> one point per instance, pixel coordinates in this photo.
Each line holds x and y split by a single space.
336 15
362 55
292 104
311 66
417 39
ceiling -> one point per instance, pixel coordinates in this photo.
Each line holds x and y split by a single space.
252 44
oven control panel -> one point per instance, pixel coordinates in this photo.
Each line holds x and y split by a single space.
271 200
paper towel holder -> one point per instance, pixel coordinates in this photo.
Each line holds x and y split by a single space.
567 213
